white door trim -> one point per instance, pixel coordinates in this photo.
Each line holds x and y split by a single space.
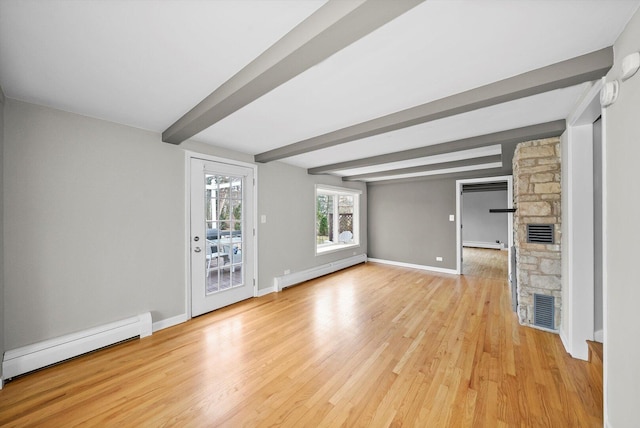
459 183
187 232
577 224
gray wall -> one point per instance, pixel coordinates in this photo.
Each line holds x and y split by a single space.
94 215
2 347
409 222
95 222
286 195
622 325
479 224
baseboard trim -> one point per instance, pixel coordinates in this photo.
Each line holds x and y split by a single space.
265 291
565 341
577 351
38 355
294 278
169 322
414 266
598 336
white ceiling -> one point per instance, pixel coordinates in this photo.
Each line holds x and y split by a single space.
145 63
541 108
495 149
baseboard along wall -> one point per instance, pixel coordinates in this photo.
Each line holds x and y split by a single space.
42 354
294 278
169 322
414 266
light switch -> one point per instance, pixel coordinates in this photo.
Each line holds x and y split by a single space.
263 218
452 217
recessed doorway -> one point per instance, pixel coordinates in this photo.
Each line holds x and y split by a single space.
479 229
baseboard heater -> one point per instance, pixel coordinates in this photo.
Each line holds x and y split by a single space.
294 278
38 355
478 244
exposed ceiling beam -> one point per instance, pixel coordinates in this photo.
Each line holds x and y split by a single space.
425 168
533 132
332 27
492 172
508 149
563 74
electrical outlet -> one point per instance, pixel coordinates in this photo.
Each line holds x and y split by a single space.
287 271
438 259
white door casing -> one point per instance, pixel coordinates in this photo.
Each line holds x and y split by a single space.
221 234
459 183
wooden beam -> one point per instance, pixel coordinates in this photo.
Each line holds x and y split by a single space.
479 173
508 150
331 28
426 168
533 132
567 73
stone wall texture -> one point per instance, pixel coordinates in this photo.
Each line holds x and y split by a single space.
536 193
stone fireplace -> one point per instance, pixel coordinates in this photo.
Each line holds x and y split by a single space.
537 193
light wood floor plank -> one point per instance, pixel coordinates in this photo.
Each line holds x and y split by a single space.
373 345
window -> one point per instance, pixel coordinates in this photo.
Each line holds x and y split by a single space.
337 218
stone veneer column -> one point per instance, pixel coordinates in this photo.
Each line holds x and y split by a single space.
536 193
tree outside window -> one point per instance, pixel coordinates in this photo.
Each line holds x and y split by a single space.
336 218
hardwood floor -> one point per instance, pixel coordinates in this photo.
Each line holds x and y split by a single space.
483 262
373 345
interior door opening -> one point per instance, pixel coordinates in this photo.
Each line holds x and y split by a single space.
481 233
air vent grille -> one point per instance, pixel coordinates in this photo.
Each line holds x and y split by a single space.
543 311
540 233
484 187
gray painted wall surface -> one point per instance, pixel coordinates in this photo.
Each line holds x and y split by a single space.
2 347
286 195
208 149
479 224
622 326
95 222
94 215
409 222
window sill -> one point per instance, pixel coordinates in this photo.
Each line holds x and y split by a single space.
333 248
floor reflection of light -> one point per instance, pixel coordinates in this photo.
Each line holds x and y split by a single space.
216 374
334 309
228 331
346 304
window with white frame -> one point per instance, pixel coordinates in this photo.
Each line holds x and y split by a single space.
337 218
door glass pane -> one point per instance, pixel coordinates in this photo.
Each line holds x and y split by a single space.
223 221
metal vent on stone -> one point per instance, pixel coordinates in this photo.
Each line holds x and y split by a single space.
540 233
543 311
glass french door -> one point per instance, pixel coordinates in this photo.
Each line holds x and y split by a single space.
221 238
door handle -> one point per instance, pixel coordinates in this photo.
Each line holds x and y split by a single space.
197 249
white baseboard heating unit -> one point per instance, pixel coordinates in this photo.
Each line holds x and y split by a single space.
38 355
288 280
